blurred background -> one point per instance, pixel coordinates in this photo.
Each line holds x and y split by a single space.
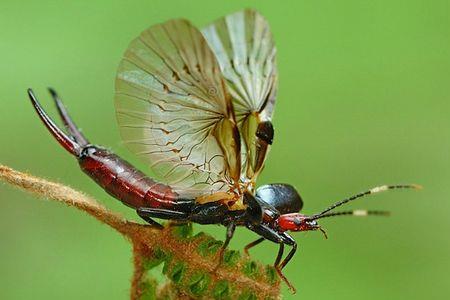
363 100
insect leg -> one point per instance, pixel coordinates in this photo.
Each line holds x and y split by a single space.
289 256
149 220
68 122
147 214
230 232
281 239
279 266
279 256
287 239
253 244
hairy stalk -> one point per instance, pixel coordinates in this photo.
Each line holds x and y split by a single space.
189 261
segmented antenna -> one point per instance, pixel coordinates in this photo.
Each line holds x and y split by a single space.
374 190
356 213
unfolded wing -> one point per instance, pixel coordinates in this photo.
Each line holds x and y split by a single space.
245 50
174 111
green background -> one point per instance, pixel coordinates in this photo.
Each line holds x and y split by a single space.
363 100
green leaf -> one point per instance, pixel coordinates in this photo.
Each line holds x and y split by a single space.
271 273
251 269
199 283
222 290
177 272
247 295
158 257
148 289
182 231
231 257
209 247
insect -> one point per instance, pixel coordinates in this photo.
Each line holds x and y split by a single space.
197 106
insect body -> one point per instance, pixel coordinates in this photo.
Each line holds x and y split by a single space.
197 105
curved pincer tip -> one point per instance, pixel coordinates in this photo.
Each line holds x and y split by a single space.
57 133
70 125
52 92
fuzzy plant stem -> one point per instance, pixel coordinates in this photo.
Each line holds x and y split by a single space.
189 261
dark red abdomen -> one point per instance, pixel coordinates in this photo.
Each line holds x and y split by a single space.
124 182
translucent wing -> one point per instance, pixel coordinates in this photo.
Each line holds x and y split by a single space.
243 45
174 111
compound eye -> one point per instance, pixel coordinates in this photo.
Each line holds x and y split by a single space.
265 132
313 223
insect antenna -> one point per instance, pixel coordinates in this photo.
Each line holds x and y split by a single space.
68 144
356 213
67 120
374 190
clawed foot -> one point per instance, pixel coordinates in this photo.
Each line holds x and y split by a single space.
220 258
280 273
246 253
